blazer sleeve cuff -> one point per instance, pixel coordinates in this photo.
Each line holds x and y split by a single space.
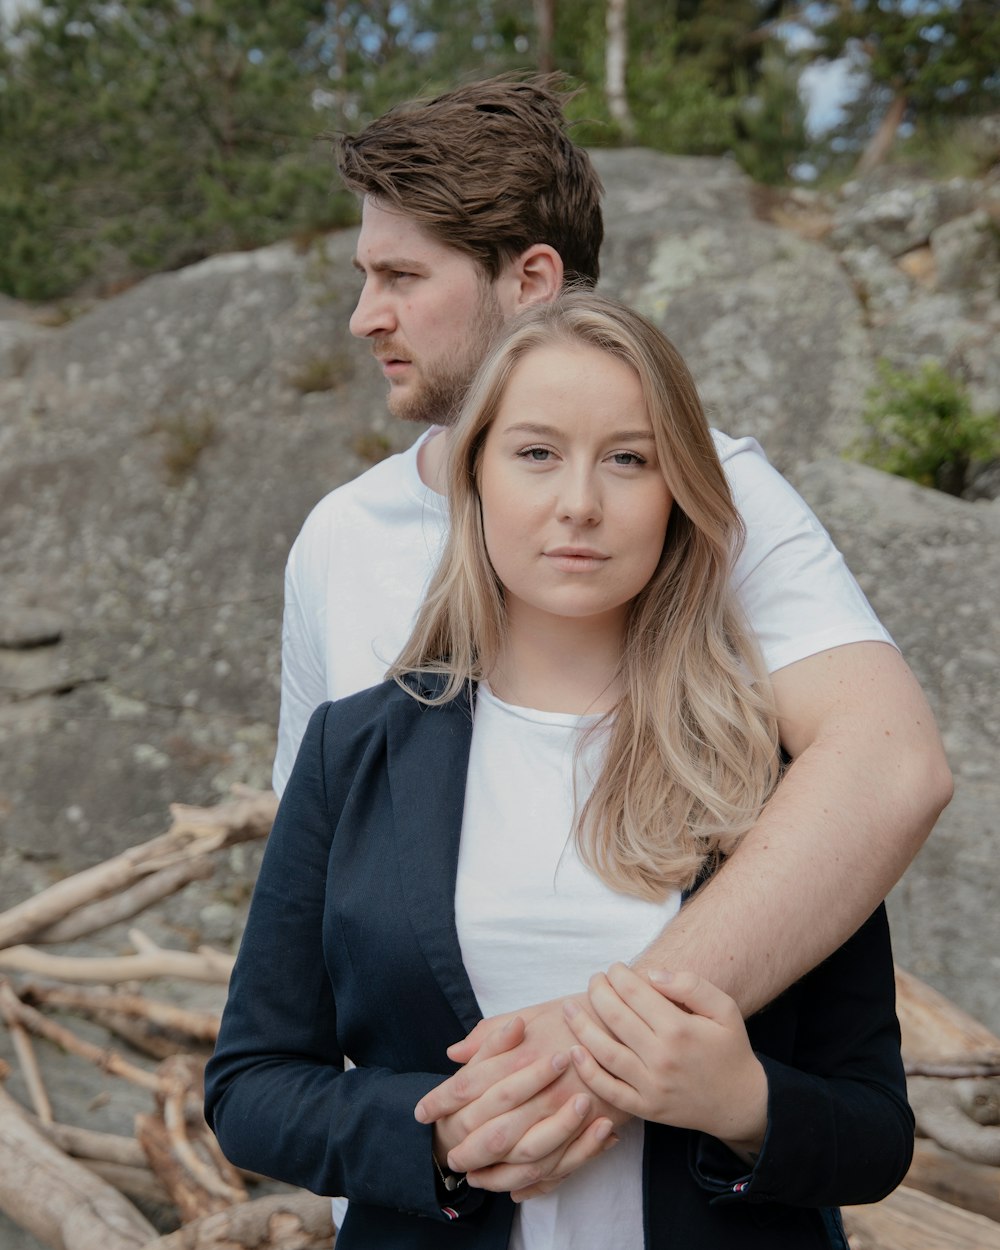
404 1177
797 1153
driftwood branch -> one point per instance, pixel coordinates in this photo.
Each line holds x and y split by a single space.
297 1221
181 1148
959 1115
25 1054
130 902
954 1071
107 1060
910 1220
58 1200
936 1030
195 832
971 1186
199 1026
205 964
95 1147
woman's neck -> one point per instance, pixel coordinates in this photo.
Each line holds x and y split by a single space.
560 664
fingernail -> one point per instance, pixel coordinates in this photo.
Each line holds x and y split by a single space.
570 1008
577 1054
560 1061
581 1104
603 1130
660 976
419 1113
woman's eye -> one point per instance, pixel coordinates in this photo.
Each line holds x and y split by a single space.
538 455
627 458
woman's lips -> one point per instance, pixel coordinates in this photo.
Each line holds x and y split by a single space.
576 559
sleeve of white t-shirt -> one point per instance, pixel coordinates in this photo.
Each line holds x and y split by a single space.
303 678
798 594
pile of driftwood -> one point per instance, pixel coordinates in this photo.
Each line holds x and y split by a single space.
74 1188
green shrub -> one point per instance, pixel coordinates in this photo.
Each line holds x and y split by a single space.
922 426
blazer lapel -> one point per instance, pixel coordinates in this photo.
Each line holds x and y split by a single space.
428 760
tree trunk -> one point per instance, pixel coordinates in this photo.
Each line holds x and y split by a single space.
882 140
615 62
545 23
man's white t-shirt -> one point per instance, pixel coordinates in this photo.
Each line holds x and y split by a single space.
357 573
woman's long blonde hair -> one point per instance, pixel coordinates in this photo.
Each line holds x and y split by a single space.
692 744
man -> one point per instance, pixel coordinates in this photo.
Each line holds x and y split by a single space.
475 206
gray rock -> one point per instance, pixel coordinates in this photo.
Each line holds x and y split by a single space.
23 628
966 252
931 566
881 285
901 217
769 324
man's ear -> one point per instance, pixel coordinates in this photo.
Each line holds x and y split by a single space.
534 277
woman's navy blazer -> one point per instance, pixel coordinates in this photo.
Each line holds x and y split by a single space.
351 949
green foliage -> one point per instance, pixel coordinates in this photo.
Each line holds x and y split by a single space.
922 426
150 133
943 55
701 80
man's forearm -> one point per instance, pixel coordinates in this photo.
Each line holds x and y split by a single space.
847 818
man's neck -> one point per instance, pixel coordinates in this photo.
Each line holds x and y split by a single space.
432 459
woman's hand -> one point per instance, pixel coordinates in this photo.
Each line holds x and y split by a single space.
516 1132
674 1049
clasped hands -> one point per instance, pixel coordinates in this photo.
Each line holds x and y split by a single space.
542 1091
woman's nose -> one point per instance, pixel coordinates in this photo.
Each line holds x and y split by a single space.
580 500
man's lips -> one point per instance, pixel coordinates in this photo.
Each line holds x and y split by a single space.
390 361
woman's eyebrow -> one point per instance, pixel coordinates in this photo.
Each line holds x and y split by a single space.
540 429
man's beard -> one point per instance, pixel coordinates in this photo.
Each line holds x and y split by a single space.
440 391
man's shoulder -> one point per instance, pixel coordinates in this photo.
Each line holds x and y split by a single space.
393 486
735 452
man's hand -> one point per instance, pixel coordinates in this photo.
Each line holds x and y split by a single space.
517 1117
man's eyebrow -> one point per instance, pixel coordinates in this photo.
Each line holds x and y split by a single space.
532 427
401 264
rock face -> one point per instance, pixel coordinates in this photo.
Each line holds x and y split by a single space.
160 451
930 565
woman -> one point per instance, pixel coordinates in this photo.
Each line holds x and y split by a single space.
429 864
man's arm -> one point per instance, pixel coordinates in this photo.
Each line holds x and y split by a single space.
868 782
303 680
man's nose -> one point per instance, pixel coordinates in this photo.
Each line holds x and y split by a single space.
372 314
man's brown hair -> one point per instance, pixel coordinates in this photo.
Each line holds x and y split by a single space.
488 168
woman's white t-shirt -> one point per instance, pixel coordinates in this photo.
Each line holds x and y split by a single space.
534 923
